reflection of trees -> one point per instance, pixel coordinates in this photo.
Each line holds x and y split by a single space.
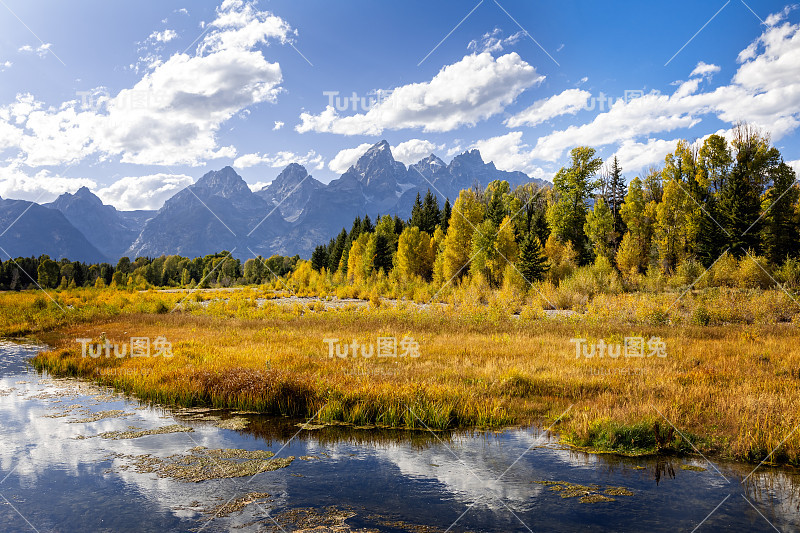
663 467
281 429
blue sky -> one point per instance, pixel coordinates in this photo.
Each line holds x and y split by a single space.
137 100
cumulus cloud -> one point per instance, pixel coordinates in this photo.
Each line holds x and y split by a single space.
4 65
280 160
464 93
637 156
143 192
508 152
173 113
278 125
347 158
764 91
705 69
568 102
43 186
412 150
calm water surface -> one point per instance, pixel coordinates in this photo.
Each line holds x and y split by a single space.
56 475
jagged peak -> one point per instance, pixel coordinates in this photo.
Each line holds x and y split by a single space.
472 156
432 159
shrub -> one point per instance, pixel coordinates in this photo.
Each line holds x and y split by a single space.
724 272
753 273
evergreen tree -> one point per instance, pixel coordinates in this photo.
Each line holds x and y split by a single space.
532 263
495 211
399 225
366 225
740 199
430 213
319 257
444 219
382 255
781 237
416 212
615 199
335 255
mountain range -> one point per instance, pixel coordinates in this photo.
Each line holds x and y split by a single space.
291 215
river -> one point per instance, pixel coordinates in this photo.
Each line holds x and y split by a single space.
71 459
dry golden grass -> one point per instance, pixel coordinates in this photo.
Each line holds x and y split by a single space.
732 390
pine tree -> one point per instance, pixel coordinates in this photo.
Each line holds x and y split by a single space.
335 254
781 236
416 212
319 258
616 198
532 262
430 213
495 211
366 225
444 219
382 254
740 199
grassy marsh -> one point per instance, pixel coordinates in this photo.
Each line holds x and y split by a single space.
732 391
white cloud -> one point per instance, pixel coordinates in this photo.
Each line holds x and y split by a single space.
568 102
413 150
775 18
4 65
280 160
347 158
508 152
705 69
173 113
162 36
40 50
635 156
493 41
257 186
182 11
240 25
795 165
464 93
143 192
765 91
43 186
278 125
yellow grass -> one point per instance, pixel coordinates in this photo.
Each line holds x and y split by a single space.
731 390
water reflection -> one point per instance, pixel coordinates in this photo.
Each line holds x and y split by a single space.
62 477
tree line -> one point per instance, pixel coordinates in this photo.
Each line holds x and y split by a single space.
218 270
709 199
